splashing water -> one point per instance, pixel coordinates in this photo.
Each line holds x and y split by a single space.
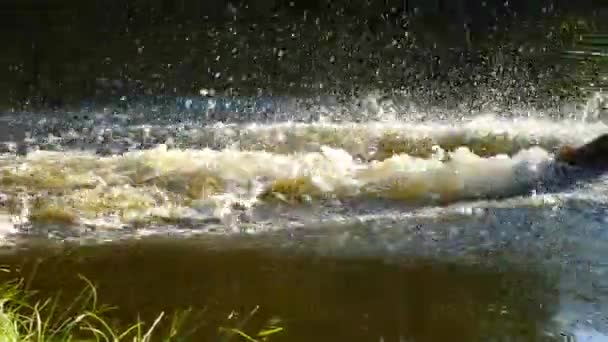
377 175
244 174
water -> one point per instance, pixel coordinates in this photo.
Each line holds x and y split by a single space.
316 297
382 223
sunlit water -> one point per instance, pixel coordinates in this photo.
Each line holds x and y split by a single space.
384 183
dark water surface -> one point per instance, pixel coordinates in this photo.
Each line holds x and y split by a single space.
317 298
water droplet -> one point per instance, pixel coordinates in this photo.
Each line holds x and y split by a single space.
207 92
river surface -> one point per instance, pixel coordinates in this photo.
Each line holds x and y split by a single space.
373 222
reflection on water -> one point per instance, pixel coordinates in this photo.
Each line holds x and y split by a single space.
317 298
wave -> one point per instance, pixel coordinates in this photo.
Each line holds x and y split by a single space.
172 185
114 169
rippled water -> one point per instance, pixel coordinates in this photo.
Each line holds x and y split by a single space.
384 183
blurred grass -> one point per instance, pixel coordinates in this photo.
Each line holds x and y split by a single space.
23 318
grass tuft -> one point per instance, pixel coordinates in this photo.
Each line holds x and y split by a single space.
84 319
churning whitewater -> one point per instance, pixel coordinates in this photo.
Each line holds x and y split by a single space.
248 174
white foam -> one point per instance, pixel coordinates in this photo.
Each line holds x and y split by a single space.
206 182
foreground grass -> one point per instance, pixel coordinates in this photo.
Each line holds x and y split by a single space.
24 319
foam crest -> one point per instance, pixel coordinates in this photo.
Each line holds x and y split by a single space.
173 185
486 135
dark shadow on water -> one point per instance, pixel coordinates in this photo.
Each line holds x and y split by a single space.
318 298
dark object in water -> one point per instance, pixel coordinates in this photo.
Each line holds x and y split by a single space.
593 155
574 166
